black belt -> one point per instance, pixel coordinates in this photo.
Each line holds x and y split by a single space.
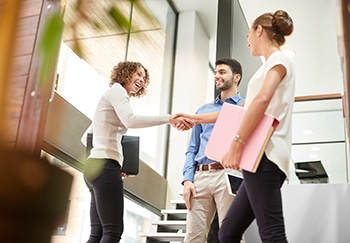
210 167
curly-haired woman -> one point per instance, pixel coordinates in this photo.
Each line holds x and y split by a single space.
112 118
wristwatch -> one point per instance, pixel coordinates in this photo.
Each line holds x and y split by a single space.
238 139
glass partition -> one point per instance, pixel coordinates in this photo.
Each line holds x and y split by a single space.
319 153
153 46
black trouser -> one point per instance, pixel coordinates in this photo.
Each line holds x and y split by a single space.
259 196
107 200
214 229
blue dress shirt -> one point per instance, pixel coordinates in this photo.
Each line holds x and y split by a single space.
200 135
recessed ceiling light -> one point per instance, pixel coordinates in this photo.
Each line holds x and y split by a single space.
308 132
315 148
313 156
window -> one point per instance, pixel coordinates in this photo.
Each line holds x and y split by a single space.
151 41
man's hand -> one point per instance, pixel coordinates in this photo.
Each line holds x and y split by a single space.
189 191
182 122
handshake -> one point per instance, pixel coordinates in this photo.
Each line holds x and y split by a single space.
182 121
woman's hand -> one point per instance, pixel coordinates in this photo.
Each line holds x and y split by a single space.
123 175
232 157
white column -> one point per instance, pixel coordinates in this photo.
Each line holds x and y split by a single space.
190 89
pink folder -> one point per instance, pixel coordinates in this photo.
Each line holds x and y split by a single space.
226 126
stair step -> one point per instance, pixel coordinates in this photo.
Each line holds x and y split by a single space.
170 225
179 203
174 214
164 237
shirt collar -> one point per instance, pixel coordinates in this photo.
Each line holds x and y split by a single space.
233 99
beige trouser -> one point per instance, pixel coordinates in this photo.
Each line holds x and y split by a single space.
212 195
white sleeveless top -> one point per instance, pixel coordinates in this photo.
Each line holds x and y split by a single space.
279 147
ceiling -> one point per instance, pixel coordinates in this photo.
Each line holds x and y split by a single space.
207 12
100 37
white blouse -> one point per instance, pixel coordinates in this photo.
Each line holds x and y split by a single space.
281 106
112 118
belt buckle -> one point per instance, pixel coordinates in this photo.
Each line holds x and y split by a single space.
212 167
215 167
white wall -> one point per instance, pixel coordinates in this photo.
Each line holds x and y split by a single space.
313 213
314 40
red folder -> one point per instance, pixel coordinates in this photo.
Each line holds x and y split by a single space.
226 126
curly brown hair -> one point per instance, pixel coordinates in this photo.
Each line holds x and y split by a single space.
123 72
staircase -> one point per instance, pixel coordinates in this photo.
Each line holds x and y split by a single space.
173 226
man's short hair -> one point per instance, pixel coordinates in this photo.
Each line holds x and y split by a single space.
233 64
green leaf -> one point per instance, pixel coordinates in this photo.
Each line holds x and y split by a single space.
119 18
49 44
142 9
